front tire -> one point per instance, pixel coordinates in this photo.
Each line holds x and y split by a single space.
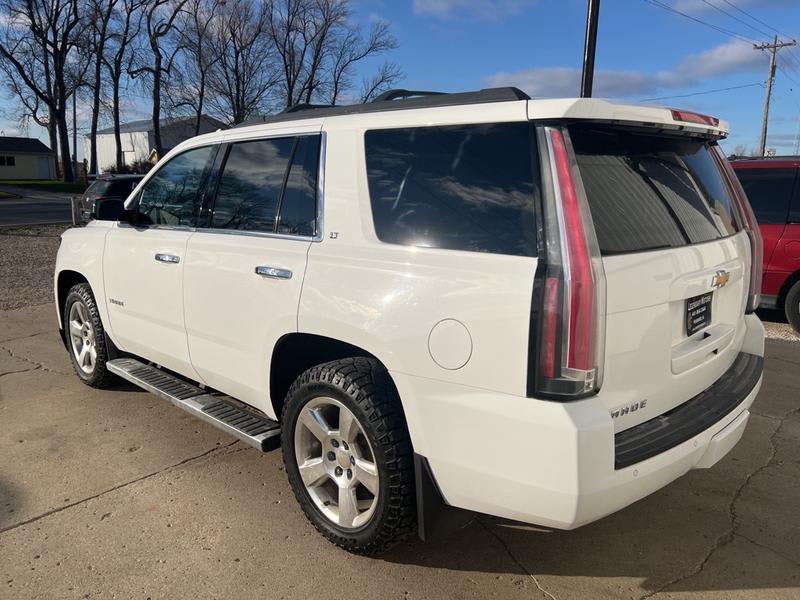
792 306
85 337
348 454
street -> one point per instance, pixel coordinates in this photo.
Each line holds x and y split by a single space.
34 207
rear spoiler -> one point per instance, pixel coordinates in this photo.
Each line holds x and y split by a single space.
668 120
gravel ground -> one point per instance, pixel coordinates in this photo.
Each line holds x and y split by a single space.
27 261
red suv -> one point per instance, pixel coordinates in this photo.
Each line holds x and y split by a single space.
773 191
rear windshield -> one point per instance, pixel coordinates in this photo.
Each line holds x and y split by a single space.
647 191
118 188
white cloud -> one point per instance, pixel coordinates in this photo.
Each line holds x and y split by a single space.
725 59
487 10
700 6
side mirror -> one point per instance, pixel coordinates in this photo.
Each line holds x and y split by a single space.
109 209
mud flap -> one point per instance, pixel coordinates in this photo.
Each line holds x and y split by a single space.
435 518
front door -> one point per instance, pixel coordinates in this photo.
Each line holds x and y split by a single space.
143 264
244 273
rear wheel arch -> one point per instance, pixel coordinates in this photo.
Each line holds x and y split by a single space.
295 353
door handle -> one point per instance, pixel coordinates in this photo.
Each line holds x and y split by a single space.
273 272
168 258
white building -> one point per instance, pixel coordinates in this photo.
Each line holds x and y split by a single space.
137 139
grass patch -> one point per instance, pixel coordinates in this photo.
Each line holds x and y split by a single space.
50 185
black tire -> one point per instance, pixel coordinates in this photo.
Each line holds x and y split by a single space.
99 377
792 306
365 388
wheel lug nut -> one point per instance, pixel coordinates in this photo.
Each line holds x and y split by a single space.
345 446
349 473
339 471
331 456
352 460
335 443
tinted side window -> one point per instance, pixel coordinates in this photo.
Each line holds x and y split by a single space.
465 187
250 185
298 212
769 192
171 196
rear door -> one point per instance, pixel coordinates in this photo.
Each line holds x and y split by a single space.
675 261
245 268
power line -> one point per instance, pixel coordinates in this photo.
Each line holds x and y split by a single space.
744 12
785 72
722 30
734 17
725 89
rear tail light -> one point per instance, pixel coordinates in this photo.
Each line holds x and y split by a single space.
693 117
571 328
750 225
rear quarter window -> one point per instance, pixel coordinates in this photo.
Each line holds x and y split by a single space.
464 187
769 192
648 191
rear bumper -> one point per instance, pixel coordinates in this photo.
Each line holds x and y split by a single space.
553 464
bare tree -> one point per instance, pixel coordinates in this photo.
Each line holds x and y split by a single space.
100 13
241 76
159 26
122 30
386 77
188 85
37 41
318 48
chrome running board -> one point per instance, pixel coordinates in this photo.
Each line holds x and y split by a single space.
216 409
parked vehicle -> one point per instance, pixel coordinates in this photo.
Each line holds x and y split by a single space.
536 309
103 187
771 186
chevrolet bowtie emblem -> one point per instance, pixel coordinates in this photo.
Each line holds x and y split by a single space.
720 278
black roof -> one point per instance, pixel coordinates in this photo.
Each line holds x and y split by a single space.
23 144
393 100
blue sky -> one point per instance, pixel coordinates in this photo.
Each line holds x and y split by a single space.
643 52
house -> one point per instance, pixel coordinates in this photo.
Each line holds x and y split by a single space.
26 158
137 139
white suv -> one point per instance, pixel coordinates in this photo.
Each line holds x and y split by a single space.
536 309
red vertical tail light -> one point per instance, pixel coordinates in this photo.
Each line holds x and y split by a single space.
750 225
570 325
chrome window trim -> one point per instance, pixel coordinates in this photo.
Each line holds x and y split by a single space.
317 237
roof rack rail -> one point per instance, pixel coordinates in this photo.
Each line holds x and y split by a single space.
400 93
304 106
393 100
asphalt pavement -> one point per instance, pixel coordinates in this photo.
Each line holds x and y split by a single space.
32 207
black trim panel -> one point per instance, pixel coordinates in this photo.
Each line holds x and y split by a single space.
683 422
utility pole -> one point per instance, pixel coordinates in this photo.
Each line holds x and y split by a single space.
773 48
587 77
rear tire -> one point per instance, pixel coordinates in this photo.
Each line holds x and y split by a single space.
85 337
342 413
792 306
